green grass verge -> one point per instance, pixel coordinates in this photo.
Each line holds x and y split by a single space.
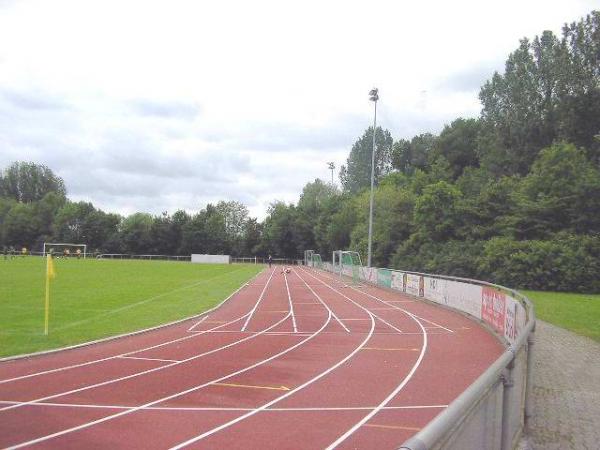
579 313
91 299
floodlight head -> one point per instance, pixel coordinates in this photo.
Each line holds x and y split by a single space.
374 94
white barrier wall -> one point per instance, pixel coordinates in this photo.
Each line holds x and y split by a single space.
211 259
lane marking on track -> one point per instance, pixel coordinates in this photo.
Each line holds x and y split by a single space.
197 323
322 302
95 361
178 394
391 427
148 359
218 408
166 366
287 287
407 349
287 394
250 386
387 302
262 294
406 379
390 325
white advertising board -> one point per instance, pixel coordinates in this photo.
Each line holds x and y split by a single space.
211 259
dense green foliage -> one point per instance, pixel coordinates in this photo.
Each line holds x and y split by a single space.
512 196
92 298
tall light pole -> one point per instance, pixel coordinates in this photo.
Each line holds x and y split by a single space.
332 168
373 96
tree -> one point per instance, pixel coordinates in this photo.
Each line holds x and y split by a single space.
408 157
562 192
27 182
135 233
356 174
21 226
457 143
437 213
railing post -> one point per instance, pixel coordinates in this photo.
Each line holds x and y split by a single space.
529 385
508 383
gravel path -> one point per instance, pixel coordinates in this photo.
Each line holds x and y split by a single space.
566 391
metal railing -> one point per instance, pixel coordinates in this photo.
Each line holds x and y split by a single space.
493 411
146 257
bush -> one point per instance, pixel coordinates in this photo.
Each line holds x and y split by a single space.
563 263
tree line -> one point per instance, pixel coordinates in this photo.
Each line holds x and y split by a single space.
512 196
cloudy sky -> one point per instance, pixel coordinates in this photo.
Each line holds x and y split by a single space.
160 105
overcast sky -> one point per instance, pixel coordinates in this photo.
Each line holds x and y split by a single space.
158 106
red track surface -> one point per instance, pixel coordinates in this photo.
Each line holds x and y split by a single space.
366 368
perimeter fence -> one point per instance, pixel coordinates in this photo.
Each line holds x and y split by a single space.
491 413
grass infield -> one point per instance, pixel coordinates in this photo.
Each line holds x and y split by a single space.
91 299
579 313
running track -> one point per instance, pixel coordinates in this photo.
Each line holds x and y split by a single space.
289 361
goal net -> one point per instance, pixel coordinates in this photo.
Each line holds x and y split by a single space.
317 261
61 249
350 264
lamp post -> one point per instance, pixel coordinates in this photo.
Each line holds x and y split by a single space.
373 96
332 168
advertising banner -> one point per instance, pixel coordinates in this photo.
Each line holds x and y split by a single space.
414 284
436 290
397 281
493 308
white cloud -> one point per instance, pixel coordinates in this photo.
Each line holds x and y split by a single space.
157 106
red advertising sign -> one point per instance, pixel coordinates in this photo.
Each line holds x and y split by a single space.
493 308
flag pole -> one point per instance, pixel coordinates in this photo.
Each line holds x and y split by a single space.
47 308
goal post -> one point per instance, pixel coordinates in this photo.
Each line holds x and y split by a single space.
58 248
350 264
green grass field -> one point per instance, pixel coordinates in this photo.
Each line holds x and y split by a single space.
92 299
579 313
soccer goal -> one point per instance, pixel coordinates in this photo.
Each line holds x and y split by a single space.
349 264
308 257
65 249
317 261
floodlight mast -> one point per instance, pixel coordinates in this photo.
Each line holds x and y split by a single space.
373 96
332 168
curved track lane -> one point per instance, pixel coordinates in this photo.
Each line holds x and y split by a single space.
289 361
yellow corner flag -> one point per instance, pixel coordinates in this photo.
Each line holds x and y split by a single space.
50 274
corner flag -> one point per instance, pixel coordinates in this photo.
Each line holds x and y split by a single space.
50 274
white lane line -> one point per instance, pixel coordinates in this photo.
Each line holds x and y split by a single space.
392 394
197 323
149 359
290 300
166 366
323 303
95 361
406 379
217 408
390 325
262 294
390 303
179 394
137 374
284 396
